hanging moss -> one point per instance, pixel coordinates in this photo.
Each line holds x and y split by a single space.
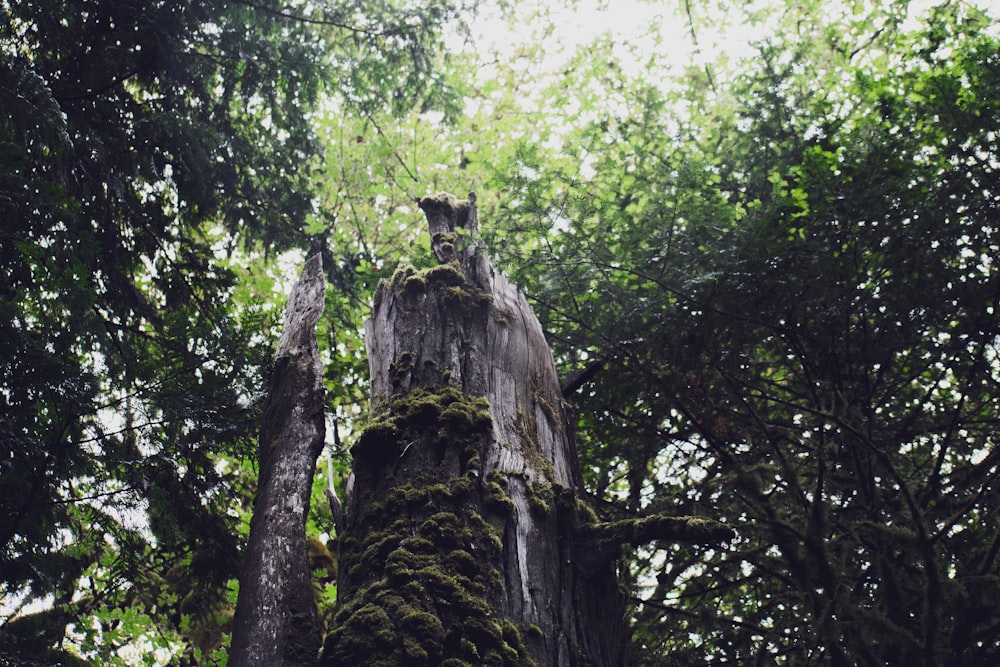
483 528
462 488
445 240
446 416
527 429
448 204
553 412
408 283
440 578
366 631
401 367
497 498
448 280
694 529
574 513
472 300
499 315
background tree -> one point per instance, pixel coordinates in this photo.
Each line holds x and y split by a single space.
783 315
276 620
156 160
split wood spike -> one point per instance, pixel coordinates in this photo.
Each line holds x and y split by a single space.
446 214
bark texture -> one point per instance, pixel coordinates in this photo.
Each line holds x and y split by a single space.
276 621
464 526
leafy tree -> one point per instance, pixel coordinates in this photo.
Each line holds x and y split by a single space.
156 156
783 315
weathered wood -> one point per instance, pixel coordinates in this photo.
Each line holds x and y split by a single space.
463 524
464 539
276 621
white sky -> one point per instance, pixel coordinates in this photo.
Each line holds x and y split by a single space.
629 21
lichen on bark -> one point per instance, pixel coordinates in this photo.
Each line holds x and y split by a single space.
276 621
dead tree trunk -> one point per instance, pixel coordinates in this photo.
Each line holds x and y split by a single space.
276 622
466 542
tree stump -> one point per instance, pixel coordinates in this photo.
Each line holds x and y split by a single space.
465 541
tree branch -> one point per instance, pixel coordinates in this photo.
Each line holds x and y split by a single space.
600 542
306 19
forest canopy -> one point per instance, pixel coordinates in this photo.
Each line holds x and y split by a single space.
769 283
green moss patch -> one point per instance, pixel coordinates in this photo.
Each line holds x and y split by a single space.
421 560
445 275
448 280
428 596
541 498
445 417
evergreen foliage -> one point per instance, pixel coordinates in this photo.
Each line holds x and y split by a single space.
786 317
157 157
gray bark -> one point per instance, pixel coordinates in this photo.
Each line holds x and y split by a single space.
463 335
276 621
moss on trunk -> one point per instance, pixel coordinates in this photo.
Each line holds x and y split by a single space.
425 569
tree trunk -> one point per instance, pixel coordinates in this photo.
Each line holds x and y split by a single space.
276 622
465 542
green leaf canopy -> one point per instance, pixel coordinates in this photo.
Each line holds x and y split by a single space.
783 314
